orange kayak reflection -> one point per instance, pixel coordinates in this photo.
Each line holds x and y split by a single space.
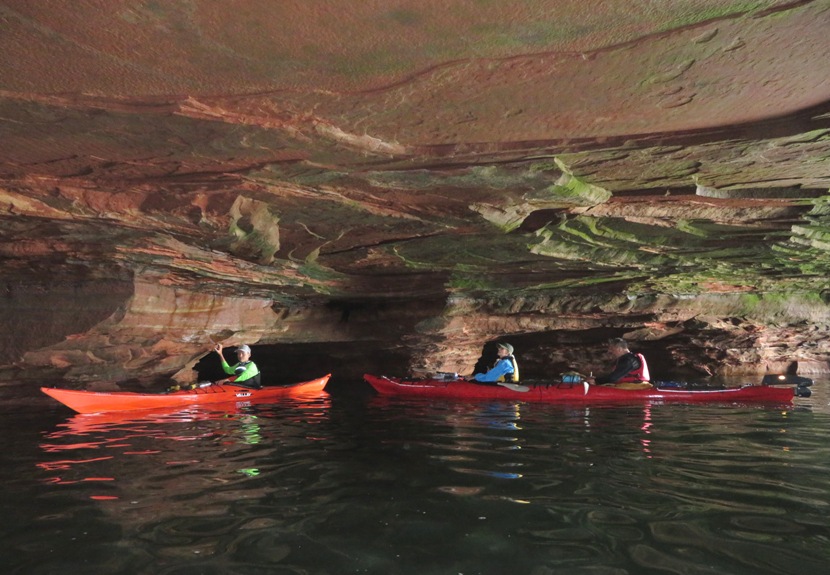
99 453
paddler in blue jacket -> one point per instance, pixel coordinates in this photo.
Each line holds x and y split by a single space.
504 370
245 372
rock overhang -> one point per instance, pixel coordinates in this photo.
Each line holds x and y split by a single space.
545 182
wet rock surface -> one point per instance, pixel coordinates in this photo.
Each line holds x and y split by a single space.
399 187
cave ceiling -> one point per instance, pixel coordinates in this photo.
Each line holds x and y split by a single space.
530 167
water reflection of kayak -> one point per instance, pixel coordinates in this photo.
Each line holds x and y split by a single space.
102 401
558 391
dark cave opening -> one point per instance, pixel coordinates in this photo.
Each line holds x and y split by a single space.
544 355
282 364
541 356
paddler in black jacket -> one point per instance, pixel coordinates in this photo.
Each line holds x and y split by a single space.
630 367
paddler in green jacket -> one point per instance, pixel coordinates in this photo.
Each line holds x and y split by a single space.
245 372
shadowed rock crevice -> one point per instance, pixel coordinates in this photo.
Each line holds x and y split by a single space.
44 311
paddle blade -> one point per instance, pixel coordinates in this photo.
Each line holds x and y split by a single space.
515 386
801 391
785 379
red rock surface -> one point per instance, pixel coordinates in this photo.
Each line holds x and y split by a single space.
410 180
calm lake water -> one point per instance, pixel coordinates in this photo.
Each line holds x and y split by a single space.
353 483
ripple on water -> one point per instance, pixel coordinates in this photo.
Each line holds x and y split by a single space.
735 554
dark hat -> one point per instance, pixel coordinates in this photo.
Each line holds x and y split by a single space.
618 342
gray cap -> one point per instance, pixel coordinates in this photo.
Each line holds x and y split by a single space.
244 348
508 347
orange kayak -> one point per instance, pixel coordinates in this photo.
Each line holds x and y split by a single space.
101 401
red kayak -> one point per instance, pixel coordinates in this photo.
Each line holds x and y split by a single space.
101 401
581 392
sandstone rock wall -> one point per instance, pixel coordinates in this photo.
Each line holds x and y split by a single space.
414 182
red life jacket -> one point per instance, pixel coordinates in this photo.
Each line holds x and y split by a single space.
636 375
